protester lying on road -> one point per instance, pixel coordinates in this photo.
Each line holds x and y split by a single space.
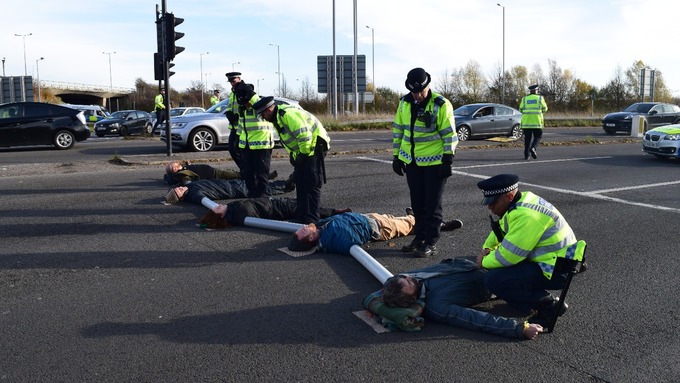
194 192
443 293
178 173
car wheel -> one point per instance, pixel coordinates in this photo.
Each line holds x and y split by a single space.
516 132
148 129
201 140
123 131
64 140
463 133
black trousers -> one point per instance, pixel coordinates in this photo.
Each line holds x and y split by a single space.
255 164
427 189
308 180
160 118
234 150
532 137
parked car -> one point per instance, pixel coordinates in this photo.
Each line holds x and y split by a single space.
662 142
180 111
93 113
37 123
200 132
487 119
124 123
655 113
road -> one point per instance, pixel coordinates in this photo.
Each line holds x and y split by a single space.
99 281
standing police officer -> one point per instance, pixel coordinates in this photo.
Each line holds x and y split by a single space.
256 141
424 143
215 98
532 107
159 108
307 142
232 115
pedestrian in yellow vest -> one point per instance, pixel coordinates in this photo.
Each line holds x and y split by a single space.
159 108
215 98
232 115
532 107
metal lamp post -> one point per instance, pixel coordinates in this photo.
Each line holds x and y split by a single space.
24 38
375 90
110 75
3 67
234 64
37 72
204 89
258 84
503 75
278 67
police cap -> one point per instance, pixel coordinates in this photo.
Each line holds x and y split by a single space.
263 104
533 87
232 75
496 186
417 80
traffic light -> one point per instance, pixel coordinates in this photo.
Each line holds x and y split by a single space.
158 67
171 36
160 31
170 65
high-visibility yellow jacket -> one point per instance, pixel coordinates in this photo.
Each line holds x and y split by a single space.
214 100
254 131
535 231
298 130
430 137
532 107
158 102
233 106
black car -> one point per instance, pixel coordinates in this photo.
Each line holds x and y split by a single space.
487 119
37 123
655 114
124 123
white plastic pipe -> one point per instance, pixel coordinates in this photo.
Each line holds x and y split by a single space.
207 202
374 267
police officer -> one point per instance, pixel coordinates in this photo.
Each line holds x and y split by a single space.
159 108
307 142
215 98
526 251
232 115
532 107
256 141
424 143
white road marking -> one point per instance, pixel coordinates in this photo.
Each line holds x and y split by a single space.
597 194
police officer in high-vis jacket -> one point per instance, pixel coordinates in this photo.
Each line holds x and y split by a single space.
424 143
532 107
307 142
232 111
256 141
527 250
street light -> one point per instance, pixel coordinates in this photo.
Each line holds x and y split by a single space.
206 79
37 72
110 76
204 88
258 85
232 65
24 37
3 67
278 60
375 90
503 75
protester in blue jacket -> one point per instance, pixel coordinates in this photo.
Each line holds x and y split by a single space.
443 293
337 234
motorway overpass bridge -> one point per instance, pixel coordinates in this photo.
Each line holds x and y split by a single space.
72 93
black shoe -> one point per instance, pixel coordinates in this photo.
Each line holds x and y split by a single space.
409 211
411 247
425 251
290 184
451 225
546 313
533 153
273 175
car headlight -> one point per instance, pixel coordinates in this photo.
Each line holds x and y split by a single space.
115 125
627 117
178 125
672 137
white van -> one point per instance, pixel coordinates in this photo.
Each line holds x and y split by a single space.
93 113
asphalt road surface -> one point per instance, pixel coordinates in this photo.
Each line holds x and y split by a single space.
101 282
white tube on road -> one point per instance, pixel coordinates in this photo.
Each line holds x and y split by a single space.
373 266
207 202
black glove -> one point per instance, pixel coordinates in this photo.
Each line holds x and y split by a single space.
445 167
398 166
232 117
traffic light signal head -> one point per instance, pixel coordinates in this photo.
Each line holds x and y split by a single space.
171 50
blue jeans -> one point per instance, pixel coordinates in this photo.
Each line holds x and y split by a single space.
523 285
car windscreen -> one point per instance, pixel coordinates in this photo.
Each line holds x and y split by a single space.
120 115
176 112
220 107
465 110
639 108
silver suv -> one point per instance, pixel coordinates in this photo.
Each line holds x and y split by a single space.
200 132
